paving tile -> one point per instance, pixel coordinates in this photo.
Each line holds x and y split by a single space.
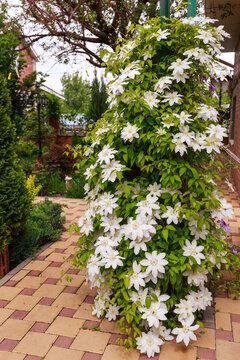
85 290
65 326
236 331
59 251
113 339
71 289
63 342
52 272
235 317
3 303
34 273
8 344
47 252
23 302
35 344
19 314
51 281
92 341
33 357
27 291
57 353
43 313
227 305
173 351
85 312
8 293
117 353
76 280
14 329
39 327
48 289
41 257
71 300
224 335
20 275
205 338
67 312
90 323
223 321
72 271
91 356
46 301
89 299
227 350
5 314
30 282
56 256
109 326
10 283
11 356
37 265
56 264
145 357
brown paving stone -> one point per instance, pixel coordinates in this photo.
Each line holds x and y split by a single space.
117 353
48 289
23 302
59 251
71 289
19 314
109 326
173 351
223 321
224 335
227 305
85 312
51 281
30 282
63 342
91 356
3 303
72 271
57 353
35 344
92 341
5 314
41 257
89 300
71 300
8 293
145 357
65 326
10 283
8 344
11 356
37 265
40 327
235 317
236 331
33 357
67 312
43 313
34 273
46 301
56 264
90 323
28 291
206 354
14 329
227 350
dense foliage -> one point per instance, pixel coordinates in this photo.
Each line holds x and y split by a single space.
14 197
150 240
98 102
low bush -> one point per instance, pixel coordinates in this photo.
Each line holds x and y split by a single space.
76 186
45 224
56 184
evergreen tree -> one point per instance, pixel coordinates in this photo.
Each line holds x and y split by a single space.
14 198
98 103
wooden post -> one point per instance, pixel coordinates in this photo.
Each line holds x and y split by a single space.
192 6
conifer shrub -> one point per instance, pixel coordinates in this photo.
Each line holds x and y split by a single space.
14 199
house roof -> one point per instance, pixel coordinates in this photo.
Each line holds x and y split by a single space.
228 14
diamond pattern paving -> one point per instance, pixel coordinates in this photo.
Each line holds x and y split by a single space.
43 317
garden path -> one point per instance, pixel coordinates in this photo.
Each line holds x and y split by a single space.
41 317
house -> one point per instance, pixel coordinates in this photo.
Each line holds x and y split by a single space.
30 58
228 14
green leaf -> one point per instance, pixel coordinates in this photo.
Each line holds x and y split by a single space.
148 302
126 282
127 190
165 234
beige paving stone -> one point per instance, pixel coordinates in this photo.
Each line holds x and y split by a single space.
35 343
15 329
227 350
52 272
20 275
76 280
205 338
70 250
85 312
85 290
47 251
65 326
61 244
8 292
223 321
4 314
173 351
236 331
92 341
32 282
37 265
71 301
114 352
57 353
48 290
43 313
227 305
59 257
4 355
109 326
23 302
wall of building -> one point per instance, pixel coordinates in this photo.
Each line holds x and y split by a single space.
30 64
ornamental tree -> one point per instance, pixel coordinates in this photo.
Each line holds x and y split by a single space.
150 240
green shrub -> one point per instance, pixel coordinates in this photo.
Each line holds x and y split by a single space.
56 184
14 198
45 224
76 187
